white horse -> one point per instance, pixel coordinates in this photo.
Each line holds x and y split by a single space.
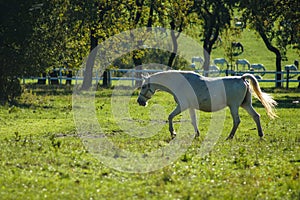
243 62
291 67
193 91
213 68
258 67
197 59
221 61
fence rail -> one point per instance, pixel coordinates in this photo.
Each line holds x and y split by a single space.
130 75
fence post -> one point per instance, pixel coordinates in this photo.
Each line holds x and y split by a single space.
60 76
106 78
132 78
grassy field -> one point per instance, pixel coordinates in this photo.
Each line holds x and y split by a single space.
42 157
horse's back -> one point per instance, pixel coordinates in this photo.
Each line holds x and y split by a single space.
216 93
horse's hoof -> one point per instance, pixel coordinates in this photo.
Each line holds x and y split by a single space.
173 135
262 139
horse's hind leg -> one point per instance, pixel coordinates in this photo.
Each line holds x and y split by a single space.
236 121
194 121
256 118
247 105
175 112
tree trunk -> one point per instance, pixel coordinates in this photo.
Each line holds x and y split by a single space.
138 65
206 55
211 35
274 50
150 19
175 45
208 43
88 72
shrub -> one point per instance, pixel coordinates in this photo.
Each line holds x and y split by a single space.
10 89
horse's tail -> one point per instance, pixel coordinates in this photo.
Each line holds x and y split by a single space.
268 102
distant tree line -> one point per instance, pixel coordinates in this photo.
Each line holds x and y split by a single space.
36 34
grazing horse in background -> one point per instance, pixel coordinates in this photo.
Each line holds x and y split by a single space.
213 68
291 67
221 61
243 62
193 91
258 67
197 59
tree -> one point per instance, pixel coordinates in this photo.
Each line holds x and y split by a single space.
106 18
273 20
59 38
16 58
289 25
68 31
216 16
178 18
99 18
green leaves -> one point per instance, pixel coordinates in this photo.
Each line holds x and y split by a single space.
42 35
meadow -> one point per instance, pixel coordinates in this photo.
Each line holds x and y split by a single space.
43 157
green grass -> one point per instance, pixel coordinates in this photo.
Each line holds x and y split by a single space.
42 156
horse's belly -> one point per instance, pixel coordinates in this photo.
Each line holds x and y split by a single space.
212 100
209 107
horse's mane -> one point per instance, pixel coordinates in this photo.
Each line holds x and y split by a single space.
176 71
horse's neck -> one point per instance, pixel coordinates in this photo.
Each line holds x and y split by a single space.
161 88
161 82
168 81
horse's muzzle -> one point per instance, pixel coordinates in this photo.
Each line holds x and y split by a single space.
141 102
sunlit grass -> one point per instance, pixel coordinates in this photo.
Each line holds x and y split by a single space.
43 157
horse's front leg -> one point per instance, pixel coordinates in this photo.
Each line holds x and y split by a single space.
194 121
175 112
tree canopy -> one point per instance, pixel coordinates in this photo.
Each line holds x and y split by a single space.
277 22
37 35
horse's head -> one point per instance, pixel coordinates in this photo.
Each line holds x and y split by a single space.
146 92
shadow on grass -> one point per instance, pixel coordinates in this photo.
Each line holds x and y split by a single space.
50 89
284 101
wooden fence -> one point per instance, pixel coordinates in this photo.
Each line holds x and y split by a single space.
131 75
